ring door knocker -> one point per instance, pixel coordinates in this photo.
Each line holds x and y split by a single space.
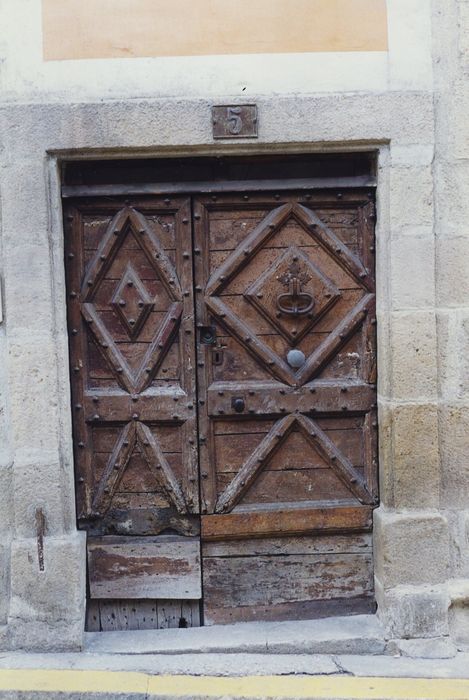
295 302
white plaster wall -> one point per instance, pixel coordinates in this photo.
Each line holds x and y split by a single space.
25 76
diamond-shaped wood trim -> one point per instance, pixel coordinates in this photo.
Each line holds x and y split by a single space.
130 219
134 381
241 257
325 296
132 302
125 221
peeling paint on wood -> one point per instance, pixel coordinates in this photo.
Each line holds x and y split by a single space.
165 567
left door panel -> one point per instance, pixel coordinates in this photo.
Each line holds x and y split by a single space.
130 315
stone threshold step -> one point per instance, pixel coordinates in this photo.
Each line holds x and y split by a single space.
229 665
357 634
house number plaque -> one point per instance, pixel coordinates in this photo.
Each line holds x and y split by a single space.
234 121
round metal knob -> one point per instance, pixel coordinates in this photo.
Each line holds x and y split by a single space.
296 358
238 404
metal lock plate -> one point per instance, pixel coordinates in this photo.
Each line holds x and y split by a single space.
208 335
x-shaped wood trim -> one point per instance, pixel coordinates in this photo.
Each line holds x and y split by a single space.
338 462
132 434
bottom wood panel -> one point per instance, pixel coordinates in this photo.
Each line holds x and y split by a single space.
144 567
287 578
120 615
302 610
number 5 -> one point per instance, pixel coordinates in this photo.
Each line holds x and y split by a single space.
234 120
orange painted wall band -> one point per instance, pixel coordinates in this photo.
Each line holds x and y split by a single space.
77 29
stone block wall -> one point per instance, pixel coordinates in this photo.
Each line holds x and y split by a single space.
416 120
451 193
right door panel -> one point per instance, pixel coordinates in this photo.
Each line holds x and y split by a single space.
286 373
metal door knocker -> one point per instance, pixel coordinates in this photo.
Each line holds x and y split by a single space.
295 302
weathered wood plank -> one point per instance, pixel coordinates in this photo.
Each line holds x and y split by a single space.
352 543
287 581
137 567
122 614
190 613
290 485
220 186
299 610
169 614
262 523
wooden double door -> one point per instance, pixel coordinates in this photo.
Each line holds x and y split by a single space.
223 370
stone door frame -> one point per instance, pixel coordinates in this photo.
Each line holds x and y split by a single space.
43 606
